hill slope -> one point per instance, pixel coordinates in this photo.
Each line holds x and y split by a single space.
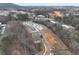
9 5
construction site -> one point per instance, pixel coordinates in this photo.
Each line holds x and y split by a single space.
40 30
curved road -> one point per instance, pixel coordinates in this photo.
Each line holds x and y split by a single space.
53 45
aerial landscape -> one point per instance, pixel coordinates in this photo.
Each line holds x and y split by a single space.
39 29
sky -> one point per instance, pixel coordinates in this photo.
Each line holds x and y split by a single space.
48 4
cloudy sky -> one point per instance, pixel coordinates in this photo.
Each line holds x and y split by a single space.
48 4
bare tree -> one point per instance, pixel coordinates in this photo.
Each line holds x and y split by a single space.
19 39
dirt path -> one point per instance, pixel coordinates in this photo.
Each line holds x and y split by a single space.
52 43
55 44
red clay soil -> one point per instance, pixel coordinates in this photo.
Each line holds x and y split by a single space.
53 41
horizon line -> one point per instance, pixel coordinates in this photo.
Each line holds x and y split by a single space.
47 4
